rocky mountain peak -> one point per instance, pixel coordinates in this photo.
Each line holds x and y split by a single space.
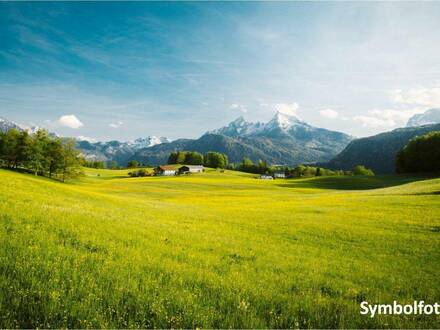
429 117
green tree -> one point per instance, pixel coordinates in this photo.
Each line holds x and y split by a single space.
132 164
181 156
113 165
247 165
70 160
193 158
37 161
40 153
9 149
362 170
421 154
23 149
318 172
172 158
52 154
247 162
262 167
216 160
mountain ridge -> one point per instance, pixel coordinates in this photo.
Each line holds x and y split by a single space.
429 117
379 151
284 139
100 150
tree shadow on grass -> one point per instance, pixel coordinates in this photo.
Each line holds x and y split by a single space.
351 182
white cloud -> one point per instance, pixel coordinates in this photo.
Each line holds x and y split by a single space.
329 113
386 118
239 107
287 109
70 121
407 103
399 116
116 125
369 121
426 97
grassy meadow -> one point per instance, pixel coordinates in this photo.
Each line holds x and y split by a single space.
216 250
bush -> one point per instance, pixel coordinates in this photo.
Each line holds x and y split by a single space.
139 173
421 154
362 170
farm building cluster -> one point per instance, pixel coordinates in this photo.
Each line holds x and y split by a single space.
275 175
170 170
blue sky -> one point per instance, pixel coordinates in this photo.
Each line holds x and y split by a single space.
126 70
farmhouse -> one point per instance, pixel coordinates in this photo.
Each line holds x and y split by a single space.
280 175
191 169
166 170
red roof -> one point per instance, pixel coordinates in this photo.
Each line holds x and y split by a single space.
168 168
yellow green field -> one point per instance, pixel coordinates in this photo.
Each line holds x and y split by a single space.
216 250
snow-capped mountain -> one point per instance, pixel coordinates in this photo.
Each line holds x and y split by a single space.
149 141
280 125
6 125
240 127
93 150
429 117
284 139
283 121
116 150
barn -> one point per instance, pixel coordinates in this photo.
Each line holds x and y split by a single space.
281 175
165 170
191 169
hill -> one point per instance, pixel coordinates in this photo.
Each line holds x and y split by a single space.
215 250
378 152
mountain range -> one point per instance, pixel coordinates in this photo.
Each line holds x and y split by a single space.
285 139
6 125
118 151
379 152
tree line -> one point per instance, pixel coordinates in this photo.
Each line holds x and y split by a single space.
210 159
219 160
421 154
261 167
40 154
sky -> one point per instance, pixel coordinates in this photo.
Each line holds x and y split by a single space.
111 70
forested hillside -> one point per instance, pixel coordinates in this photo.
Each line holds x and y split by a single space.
378 152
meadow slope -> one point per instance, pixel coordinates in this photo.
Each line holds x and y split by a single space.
215 250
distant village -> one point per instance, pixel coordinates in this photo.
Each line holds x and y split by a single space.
171 170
